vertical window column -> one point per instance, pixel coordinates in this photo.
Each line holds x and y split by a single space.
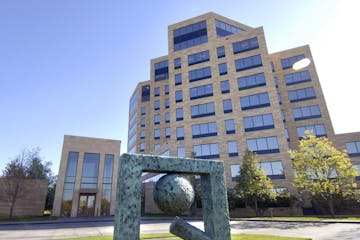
69 183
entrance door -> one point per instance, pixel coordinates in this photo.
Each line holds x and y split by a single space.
86 205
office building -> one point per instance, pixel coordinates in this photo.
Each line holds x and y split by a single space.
219 92
87 178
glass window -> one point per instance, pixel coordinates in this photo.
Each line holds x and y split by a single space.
69 183
225 86
178 96
224 29
71 166
357 166
167 132
177 63
353 148
283 115
248 63
202 110
272 66
108 168
143 110
157 119
273 170
142 147
180 133
318 130
157 134
227 105
276 82
201 91
198 57
287 134
302 94
206 151
288 62
222 69
132 140
157 105
142 134
156 147
251 81
143 122
279 98
263 145
157 91
167 103
145 93
258 122
297 77
255 101
134 102
235 172
306 112
232 149
161 70
178 79
189 36
204 130
230 126
179 114
245 45
133 119
90 170
106 199
220 52
199 74
166 89
167 117
181 152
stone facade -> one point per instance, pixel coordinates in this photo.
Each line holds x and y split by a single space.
82 146
147 136
32 200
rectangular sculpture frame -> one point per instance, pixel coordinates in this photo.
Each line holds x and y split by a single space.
128 196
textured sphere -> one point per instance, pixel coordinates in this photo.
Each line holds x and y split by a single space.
173 194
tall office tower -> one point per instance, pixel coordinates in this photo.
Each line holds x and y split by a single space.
219 92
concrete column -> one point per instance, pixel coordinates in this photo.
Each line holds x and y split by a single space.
99 185
56 211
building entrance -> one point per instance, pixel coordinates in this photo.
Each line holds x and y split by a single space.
86 205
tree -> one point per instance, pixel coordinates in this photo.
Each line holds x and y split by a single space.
322 171
27 165
50 193
14 176
253 183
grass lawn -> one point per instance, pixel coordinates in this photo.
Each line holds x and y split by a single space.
309 218
172 237
36 218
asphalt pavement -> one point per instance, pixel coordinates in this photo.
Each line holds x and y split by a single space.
82 227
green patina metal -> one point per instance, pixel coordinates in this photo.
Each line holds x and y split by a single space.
174 194
128 196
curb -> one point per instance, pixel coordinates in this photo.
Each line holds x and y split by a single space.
111 219
296 221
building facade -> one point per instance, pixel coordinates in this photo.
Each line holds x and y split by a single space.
30 191
87 178
219 92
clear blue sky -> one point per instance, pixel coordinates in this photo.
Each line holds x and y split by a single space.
70 66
